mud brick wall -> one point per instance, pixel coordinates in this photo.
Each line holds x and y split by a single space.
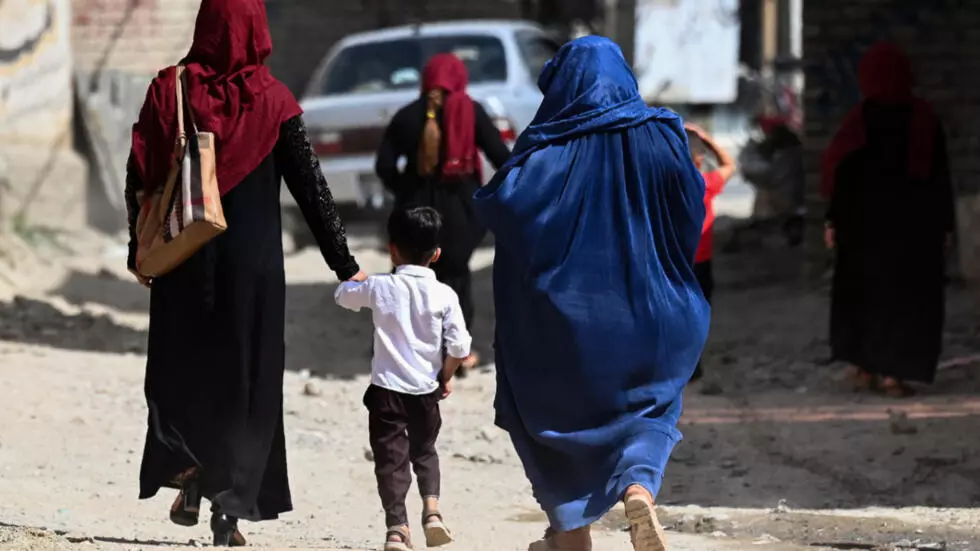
134 36
942 37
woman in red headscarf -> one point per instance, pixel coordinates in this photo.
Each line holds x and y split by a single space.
890 221
440 135
215 359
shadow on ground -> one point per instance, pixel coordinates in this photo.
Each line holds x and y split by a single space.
320 336
771 422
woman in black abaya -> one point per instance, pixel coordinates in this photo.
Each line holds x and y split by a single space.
215 360
890 220
440 135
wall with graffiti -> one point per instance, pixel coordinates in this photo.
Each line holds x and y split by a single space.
35 72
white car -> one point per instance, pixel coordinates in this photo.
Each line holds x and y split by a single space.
367 77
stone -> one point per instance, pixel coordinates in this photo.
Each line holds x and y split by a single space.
312 389
899 423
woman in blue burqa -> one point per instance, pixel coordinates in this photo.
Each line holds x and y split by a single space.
601 321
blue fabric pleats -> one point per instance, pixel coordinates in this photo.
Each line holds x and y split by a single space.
600 319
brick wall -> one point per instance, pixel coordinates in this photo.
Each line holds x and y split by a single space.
137 36
942 37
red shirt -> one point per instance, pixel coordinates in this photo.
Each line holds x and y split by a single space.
713 184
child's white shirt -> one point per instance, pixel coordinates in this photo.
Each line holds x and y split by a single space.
415 318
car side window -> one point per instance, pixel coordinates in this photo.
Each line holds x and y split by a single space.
536 50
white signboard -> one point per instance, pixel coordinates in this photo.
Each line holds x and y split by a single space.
35 72
687 50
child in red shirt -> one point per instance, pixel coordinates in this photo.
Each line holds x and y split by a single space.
701 143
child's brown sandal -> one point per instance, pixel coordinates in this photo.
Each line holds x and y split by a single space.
436 532
405 543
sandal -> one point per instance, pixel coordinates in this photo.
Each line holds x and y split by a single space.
404 543
646 533
186 509
547 543
862 380
436 532
225 532
893 388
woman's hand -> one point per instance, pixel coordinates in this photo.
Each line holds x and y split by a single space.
830 237
447 388
359 277
143 280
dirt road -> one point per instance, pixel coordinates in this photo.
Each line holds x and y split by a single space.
777 453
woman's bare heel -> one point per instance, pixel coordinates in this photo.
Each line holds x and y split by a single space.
436 532
646 533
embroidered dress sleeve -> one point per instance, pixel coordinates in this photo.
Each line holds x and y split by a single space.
134 185
301 169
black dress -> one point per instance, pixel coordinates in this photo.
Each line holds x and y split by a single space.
462 231
888 293
215 360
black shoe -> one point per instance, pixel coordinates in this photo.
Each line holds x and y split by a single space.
187 507
225 531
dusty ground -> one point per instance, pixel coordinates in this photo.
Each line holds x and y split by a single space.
778 454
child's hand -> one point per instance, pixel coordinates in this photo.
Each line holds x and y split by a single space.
447 388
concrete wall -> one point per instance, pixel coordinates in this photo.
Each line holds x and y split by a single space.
943 39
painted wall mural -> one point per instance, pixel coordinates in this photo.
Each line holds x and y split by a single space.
35 72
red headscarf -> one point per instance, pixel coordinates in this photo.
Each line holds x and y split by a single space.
446 72
884 75
232 94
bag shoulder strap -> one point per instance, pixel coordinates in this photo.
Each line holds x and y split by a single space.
179 89
182 99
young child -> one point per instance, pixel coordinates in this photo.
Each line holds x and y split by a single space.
699 141
420 340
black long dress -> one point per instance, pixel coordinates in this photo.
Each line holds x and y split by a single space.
215 360
887 306
462 231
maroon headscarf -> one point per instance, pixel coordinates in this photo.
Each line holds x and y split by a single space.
232 94
446 72
885 76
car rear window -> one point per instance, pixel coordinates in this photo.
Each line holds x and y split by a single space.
397 64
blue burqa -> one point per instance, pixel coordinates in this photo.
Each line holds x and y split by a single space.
600 319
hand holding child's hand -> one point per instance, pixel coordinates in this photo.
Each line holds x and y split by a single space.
447 388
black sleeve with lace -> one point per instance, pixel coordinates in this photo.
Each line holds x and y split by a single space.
133 186
301 169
